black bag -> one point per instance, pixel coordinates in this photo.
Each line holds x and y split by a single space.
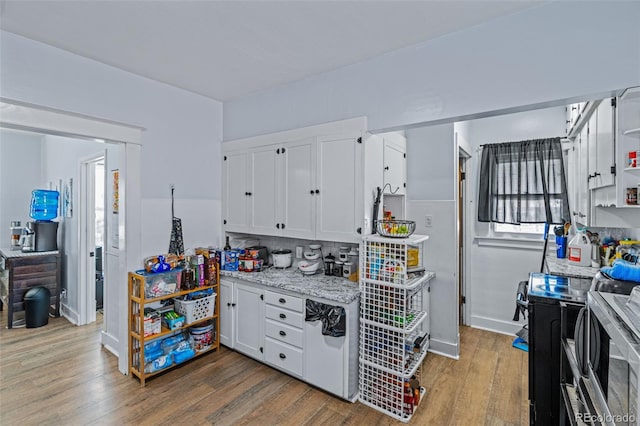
333 317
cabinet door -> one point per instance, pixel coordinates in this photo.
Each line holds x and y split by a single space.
582 184
226 313
605 143
324 359
264 186
298 197
592 148
339 205
394 169
235 189
249 321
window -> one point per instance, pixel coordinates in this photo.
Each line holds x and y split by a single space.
523 228
523 183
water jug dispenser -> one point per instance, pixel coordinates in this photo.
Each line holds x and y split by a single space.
44 204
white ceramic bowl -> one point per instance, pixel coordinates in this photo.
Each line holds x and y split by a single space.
314 246
308 267
312 255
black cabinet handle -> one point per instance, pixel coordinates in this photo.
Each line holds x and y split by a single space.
282 300
359 230
282 333
278 225
249 194
386 168
282 356
283 316
229 304
233 304
282 225
283 150
311 192
317 191
278 151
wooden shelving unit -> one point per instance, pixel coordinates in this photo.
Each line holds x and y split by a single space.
137 339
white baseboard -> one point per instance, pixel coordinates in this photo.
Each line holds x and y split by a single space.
497 326
448 349
110 343
70 314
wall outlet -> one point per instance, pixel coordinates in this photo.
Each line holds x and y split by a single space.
428 220
299 252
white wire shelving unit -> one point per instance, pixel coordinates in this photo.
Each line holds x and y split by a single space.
394 314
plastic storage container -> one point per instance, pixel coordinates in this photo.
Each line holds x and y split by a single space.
44 204
579 250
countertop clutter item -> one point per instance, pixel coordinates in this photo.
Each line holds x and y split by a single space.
16 232
176 242
396 228
309 267
282 258
161 338
579 250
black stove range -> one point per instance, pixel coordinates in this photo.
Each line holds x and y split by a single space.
554 303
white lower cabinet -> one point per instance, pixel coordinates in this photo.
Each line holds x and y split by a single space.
242 318
270 326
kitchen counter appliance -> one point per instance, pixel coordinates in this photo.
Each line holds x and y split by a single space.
551 299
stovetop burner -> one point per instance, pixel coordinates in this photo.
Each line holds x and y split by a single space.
556 287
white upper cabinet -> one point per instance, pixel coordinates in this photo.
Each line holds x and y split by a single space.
629 146
298 185
264 189
601 145
395 168
235 191
339 189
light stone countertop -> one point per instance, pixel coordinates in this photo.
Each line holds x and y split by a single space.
332 288
563 267
8 253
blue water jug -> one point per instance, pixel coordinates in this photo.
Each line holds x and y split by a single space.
44 204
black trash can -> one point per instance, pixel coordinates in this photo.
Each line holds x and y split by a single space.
36 307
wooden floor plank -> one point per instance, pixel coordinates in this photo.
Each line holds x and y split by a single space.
59 374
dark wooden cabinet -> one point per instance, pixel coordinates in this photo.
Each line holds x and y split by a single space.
21 271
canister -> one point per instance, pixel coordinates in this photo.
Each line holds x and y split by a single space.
347 269
337 269
343 254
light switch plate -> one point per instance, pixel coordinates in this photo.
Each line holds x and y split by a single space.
428 220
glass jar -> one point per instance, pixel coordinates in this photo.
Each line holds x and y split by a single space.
337 269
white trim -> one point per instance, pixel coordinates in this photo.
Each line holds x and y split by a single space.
69 314
350 126
509 328
519 243
18 115
448 349
24 116
86 227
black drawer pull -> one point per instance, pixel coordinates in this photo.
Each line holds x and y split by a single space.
282 300
282 333
282 356
283 316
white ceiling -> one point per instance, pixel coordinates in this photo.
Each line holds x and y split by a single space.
228 49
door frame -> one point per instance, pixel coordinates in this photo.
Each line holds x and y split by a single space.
35 118
86 236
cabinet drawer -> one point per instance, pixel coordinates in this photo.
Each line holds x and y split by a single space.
286 316
283 356
284 333
289 302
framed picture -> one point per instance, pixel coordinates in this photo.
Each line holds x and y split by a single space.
115 197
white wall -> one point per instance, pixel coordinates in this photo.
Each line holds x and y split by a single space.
431 191
539 55
494 272
181 143
20 174
61 161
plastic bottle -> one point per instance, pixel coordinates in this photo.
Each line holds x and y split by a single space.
579 250
44 204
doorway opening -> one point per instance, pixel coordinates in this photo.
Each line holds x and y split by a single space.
92 231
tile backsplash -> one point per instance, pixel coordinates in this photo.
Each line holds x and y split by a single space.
274 243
